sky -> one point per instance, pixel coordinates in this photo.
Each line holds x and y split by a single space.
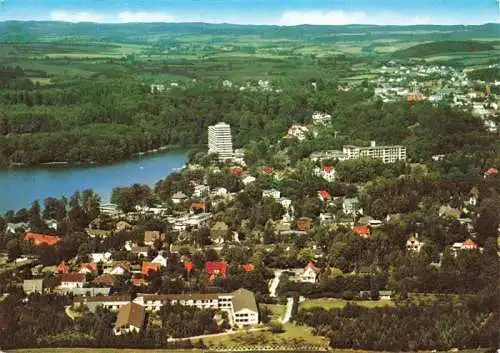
277 12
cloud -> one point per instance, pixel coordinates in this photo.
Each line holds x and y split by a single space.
79 16
141 16
339 17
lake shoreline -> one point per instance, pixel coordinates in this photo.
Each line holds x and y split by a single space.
66 164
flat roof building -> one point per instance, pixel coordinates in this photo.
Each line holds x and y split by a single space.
388 154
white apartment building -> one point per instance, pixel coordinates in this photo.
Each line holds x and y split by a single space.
240 304
388 154
220 140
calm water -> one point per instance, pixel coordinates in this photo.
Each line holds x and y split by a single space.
20 187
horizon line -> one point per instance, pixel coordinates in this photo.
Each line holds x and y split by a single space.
252 24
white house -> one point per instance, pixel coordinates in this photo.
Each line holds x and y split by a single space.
248 180
179 197
101 257
413 244
244 308
326 172
272 193
72 280
160 259
310 273
118 270
319 118
201 190
298 131
350 206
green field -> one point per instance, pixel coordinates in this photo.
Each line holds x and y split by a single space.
334 303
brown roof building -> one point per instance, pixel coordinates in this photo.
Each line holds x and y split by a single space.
130 318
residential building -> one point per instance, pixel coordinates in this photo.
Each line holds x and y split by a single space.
157 88
200 191
101 257
244 308
220 140
160 259
449 212
328 155
413 244
72 280
88 268
385 294
240 304
299 132
106 279
39 239
350 206
110 209
362 231
248 180
122 225
12 227
319 118
33 286
151 236
112 303
130 318
272 193
324 195
215 268
388 154
326 172
63 267
310 273
179 197
118 270
140 251
149 266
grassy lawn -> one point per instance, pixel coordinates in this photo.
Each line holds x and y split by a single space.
100 350
330 303
277 311
293 335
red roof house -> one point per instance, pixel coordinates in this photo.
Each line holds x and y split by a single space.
149 266
39 239
324 195
237 170
363 231
490 171
88 267
469 244
198 207
63 268
215 268
327 168
268 170
248 267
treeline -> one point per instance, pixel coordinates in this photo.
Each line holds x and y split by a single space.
439 326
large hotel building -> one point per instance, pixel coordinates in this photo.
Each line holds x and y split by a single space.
220 140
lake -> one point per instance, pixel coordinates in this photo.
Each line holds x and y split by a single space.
19 187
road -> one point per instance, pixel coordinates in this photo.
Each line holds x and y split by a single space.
288 312
275 282
67 310
217 334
